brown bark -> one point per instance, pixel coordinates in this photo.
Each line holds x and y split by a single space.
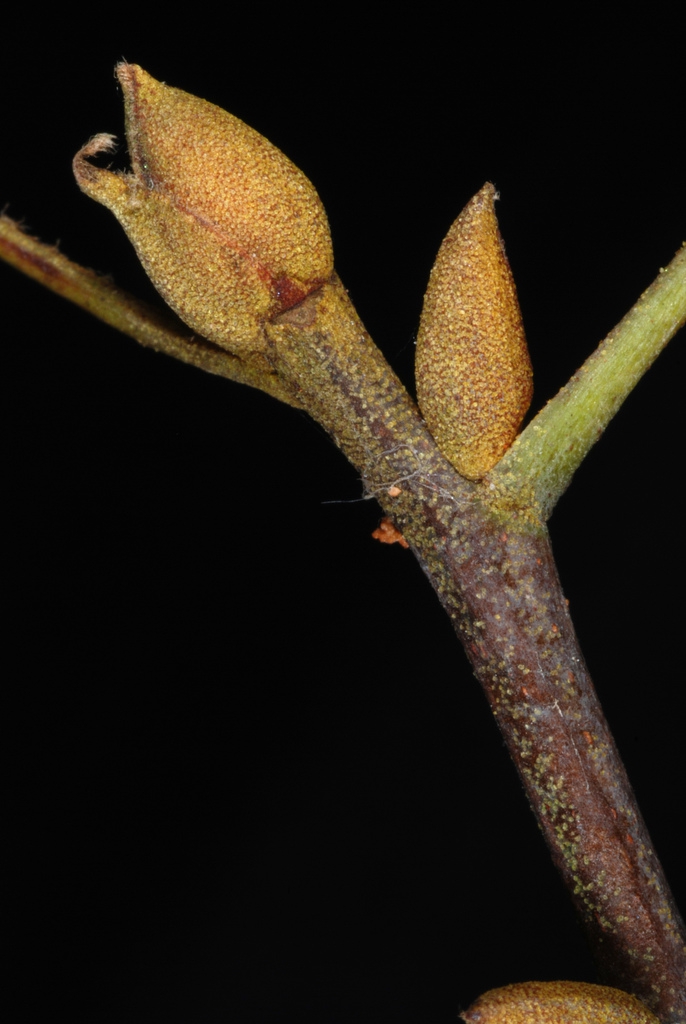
488 557
493 570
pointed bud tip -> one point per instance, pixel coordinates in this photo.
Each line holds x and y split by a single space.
126 72
102 143
97 182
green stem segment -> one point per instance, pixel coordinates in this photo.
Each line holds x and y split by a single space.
539 466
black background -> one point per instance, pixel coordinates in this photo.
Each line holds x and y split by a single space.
250 776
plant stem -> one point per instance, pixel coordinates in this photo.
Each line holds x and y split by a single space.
154 328
494 573
539 466
495 576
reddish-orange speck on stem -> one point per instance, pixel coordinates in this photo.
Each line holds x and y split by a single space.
387 533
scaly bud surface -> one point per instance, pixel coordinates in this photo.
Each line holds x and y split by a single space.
557 1002
474 378
230 232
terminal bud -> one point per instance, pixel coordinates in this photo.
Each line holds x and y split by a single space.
230 232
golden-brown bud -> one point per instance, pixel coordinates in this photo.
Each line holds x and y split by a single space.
230 232
557 1002
474 379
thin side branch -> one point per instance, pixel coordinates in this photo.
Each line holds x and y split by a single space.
151 327
539 466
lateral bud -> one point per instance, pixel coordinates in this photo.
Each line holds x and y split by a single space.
474 377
